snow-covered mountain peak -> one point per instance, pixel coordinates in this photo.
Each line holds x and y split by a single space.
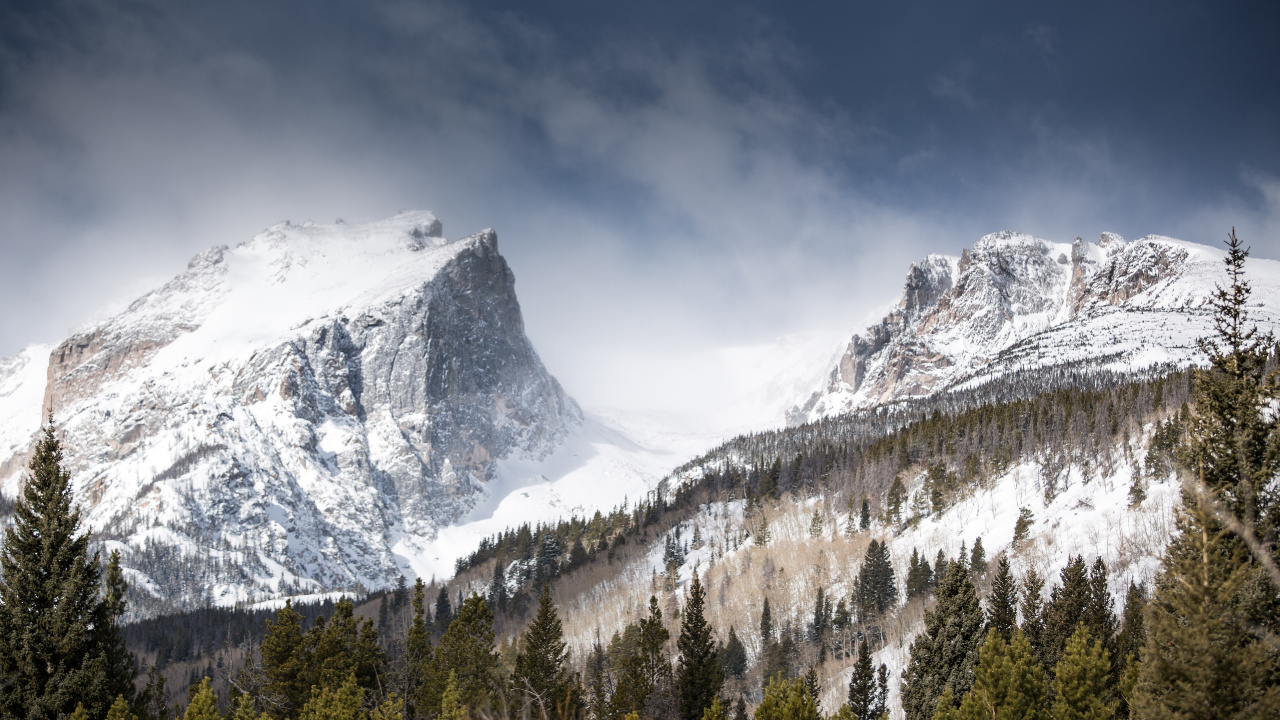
1015 302
304 410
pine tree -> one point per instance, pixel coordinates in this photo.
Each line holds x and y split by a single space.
766 624
1213 617
877 590
787 700
244 709
341 702
1022 528
120 710
862 685
881 707
444 612
498 587
423 697
699 676
1008 684
1033 611
978 559
811 684
452 706
816 525
1133 631
203 704
541 674
939 568
897 498
60 645
341 647
646 670
466 650
944 654
1066 609
864 516
391 709
740 709
716 710
733 658
913 576
285 661
1080 685
1002 607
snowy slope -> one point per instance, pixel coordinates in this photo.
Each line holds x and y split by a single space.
22 379
1015 302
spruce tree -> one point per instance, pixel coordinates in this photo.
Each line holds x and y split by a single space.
733 658
203 704
285 661
716 710
444 612
645 670
877 590
60 645
978 559
944 654
787 700
244 709
1081 680
422 698
466 650
1009 684
1033 611
120 710
340 702
862 685
864 516
1213 618
897 498
914 584
452 705
343 647
541 675
1133 632
1002 603
1067 608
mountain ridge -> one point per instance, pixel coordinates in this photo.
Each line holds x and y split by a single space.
1014 301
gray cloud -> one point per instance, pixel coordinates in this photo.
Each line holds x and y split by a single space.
657 191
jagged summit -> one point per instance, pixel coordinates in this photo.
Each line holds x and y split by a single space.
1014 302
298 412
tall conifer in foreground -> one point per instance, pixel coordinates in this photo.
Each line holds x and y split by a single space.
1009 684
699 676
541 674
943 656
1002 603
60 645
1081 680
1212 649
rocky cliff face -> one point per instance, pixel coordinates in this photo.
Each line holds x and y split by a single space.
287 415
1015 302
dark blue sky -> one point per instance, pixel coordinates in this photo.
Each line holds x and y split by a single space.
662 175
